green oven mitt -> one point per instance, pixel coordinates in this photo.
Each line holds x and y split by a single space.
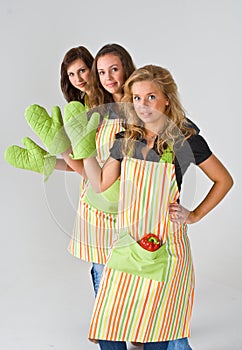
32 157
80 130
49 129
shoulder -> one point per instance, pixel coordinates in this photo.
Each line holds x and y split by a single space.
200 148
197 140
195 148
190 124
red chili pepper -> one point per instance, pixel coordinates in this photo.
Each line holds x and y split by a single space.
150 242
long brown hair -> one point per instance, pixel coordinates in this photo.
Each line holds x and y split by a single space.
69 91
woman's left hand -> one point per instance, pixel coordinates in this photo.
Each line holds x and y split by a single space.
179 214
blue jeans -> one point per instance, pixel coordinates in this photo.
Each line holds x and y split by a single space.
121 345
179 344
96 273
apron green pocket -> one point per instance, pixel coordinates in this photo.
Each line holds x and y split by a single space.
128 256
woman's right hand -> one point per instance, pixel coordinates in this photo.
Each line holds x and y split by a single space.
181 215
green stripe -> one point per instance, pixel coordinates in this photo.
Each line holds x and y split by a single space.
103 308
186 278
126 308
135 306
164 290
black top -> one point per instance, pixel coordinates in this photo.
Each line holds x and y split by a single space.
194 150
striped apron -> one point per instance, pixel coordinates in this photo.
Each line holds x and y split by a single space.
146 296
96 221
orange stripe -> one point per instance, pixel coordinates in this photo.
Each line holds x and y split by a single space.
174 288
112 311
165 321
135 287
189 310
98 232
121 302
86 228
137 202
180 304
154 309
97 308
143 311
163 234
148 199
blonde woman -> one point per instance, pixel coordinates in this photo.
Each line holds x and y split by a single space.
146 296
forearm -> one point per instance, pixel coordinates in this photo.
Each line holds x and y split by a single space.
213 198
180 214
222 183
93 172
61 165
101 178
74 165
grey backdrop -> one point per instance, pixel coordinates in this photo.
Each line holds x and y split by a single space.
46 294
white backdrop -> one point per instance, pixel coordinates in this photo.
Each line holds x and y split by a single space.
46 295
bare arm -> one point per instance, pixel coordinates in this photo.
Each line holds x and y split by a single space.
62 165
73 165
68 164
222 183
102 178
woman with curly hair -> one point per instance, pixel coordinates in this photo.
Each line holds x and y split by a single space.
147 296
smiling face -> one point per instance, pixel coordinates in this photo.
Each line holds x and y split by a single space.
111 75
149 104
78 74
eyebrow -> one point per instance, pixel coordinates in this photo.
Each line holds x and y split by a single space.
115 64
149 93
71 71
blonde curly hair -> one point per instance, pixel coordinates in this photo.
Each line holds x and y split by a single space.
176 128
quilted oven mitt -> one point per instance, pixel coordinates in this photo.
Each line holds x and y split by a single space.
80 130
32 157
49 129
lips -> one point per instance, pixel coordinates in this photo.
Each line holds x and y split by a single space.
111 85
81 85
144 115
